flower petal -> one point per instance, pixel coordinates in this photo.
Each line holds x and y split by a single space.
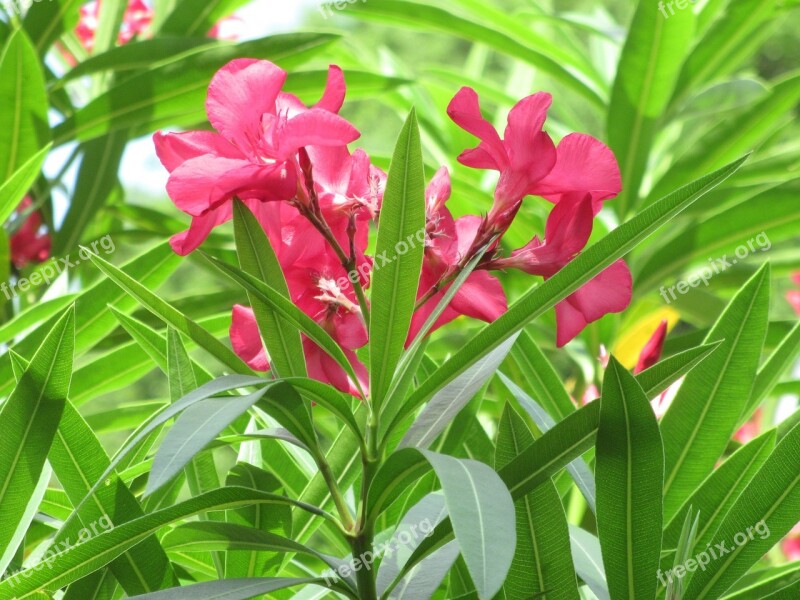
481 297
240 93
174 149
609 292
246 339
315 127
188 241
583 164
651 353
202 183
335 89
465 111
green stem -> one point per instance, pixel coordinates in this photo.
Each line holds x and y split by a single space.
336 494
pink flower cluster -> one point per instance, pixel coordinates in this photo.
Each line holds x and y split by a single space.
29 244
137 19
291 166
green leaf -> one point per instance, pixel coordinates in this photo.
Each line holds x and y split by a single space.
738 32
415 354
588 559
78 459
82 559
205 536
14 188
97 179
257 258
782 358
713 499
288 311
541 377
45 22
741 132
109 20
630 473
756 223
547 455
197 18
24 128
173 94
29 419
429 17
646 76
231 589
155 346
170 315
396 276
765 512
478 503
705 412
590 263
447 403
137 55
542 561
93 322
197 426
578 469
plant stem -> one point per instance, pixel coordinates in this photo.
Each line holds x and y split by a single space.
336 495
348 262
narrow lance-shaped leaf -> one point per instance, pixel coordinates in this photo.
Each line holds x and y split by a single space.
69 566
480 508
24 129
445 405
704 415
570 278
257 258
646 76
14 188
578 469
542 561
398 259
29 419
170 315
630 473
714 498
765 512
556 448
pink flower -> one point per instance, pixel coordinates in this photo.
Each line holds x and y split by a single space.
651 353
649 356
791 544
227 29
447 242
750 430
566 234
527 159
136 21
29 244
793 296
319 286
254 154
